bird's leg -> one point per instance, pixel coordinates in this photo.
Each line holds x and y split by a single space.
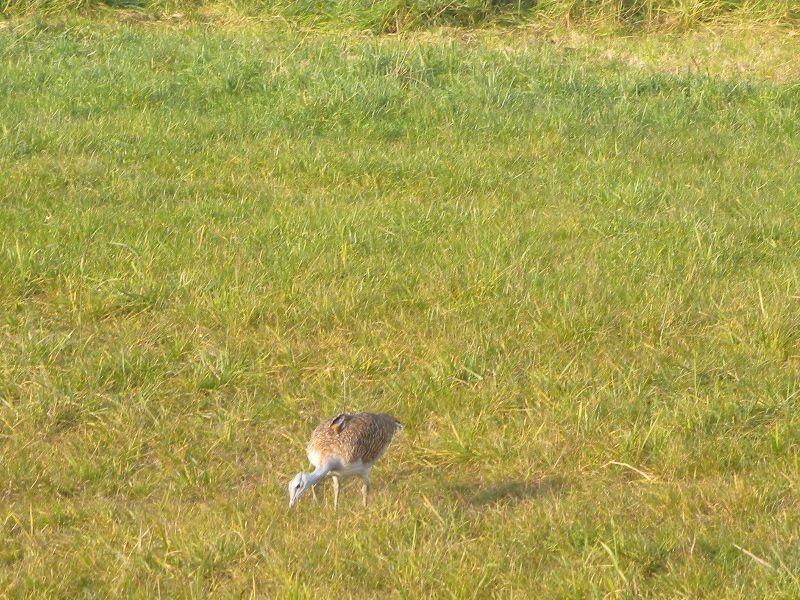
335 492
314 493
365 488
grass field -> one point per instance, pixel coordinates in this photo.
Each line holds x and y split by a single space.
568 264
393 16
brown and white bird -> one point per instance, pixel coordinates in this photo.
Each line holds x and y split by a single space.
344 446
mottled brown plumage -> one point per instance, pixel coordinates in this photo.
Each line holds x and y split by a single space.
352 437
343 446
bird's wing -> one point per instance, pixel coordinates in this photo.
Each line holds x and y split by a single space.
339 421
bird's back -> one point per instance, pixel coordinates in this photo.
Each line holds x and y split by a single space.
353 437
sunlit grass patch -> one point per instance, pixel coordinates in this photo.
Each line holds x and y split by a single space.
570 274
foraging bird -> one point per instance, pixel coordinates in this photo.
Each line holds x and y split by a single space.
343 446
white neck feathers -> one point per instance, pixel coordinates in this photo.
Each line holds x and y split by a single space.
317 475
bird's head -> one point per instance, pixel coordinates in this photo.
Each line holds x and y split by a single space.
296 488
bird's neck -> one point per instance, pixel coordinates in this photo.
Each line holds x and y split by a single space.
318 474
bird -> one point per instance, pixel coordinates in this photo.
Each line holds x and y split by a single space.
346 445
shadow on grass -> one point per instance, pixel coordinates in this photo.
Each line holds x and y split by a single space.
482 494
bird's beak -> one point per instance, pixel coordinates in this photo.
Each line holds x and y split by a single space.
292 500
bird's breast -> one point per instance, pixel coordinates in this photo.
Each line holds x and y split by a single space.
315 458
348 469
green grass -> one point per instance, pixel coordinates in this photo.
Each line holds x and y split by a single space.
569 266
392 16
